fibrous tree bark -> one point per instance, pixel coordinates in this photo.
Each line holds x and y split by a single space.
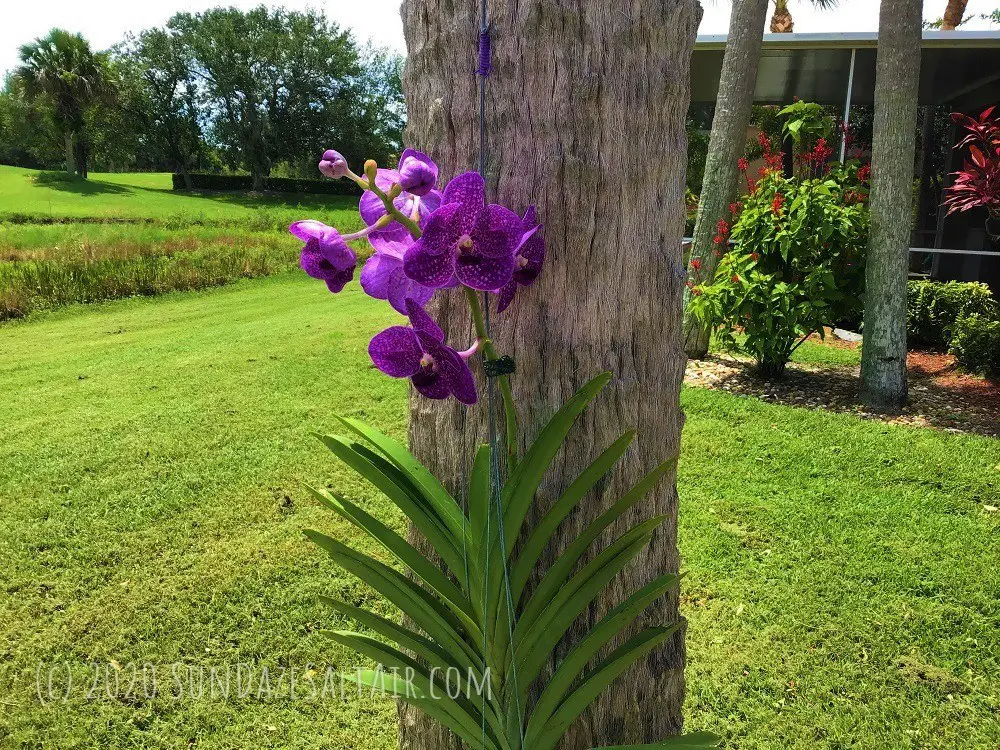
585 119
897 83
725 146
954 14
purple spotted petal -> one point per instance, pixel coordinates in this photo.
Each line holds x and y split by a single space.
484 274
505 295
469 189
376 274
403 289
431 259
396 351
418 174
497 232
530 257
325 255
422 322
458 375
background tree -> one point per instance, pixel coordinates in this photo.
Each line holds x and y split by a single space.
725 146
159 95
897 82
954 14
781 20
586 109
275 84
28 136
61 70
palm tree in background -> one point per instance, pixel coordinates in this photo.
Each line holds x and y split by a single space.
954 14
61 69
781 20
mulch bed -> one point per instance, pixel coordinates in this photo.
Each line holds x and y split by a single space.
941 396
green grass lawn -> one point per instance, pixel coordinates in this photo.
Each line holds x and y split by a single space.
153 240
149 196
843 587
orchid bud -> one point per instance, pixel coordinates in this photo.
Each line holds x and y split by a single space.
395 191
371 170
333 164
418 174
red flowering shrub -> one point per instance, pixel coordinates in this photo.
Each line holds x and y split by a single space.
797 265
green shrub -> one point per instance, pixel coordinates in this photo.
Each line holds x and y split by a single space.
933 307
975 342
276 184
797 266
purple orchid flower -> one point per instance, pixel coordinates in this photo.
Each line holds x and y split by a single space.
383 278
395 237
418 174
528 260
420 354
325 255
333 164
466 239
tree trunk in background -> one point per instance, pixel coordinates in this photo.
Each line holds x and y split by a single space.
725 146
897 81
954 13
781 21
586 107
70 153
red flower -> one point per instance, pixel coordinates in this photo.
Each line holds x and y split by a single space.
735 279
696 264
754 257
696 291
718 239
722 227
735 208
777 203
743 164
764 141
865 173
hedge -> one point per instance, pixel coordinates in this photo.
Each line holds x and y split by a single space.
244 182
975 343
933 308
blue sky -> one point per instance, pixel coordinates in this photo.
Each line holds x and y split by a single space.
105 22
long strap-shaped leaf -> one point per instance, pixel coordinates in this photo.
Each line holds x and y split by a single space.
444 503
405 691
544 734
693 741
422 516
599 636
462 710
406 553
520 489
557 573
542 533
423 647
534 643
428 613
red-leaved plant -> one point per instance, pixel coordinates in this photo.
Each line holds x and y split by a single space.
978 183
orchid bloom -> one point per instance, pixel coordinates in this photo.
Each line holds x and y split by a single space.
466 239
333 164
418 174
528 260
325 255
418 352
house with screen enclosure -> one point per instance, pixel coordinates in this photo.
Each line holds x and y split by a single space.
960 72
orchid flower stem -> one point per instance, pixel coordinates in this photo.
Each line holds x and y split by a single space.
490 352
412 226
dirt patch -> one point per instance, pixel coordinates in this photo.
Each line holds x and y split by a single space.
941 396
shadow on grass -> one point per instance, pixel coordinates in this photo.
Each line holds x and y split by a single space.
931 404
79 185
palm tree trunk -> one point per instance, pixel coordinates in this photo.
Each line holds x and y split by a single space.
70 153
781 21
585 109
954 13
897 80
725 146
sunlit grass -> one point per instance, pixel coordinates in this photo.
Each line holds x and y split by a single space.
842 587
